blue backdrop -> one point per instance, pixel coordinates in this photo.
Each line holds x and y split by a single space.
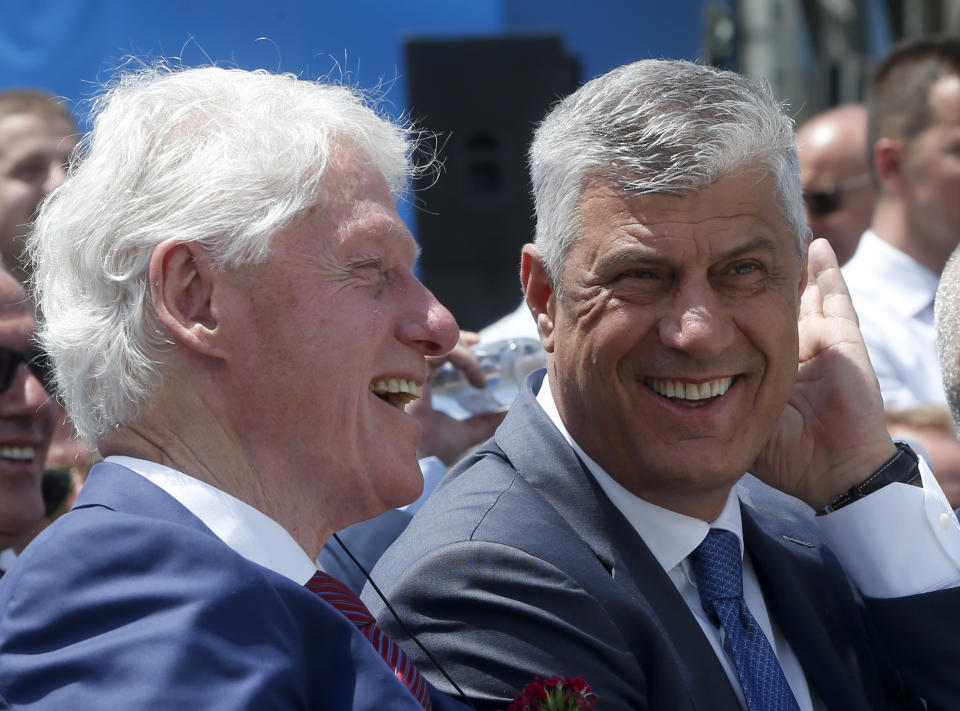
70 46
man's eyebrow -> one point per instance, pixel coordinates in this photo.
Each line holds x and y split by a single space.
760 244
636 254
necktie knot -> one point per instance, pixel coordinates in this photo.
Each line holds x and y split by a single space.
718 565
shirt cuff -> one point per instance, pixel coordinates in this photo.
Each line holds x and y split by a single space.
898 541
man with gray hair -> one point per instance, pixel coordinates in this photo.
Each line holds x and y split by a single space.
608 529
232 315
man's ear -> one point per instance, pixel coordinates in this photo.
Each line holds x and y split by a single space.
887 162
181 285
539 293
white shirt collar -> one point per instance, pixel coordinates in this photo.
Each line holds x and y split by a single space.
249 532
669 535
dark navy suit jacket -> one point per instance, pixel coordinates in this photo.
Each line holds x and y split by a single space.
520 566
130 602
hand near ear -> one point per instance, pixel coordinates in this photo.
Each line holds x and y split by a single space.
832 434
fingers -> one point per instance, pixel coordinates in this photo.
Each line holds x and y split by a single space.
820 256
462 358
826 293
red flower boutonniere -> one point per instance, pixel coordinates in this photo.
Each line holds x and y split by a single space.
555 694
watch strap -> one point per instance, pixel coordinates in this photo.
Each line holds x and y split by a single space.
902 467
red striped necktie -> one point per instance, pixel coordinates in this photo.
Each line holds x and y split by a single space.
350 606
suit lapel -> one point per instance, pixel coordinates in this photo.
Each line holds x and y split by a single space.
540 454
702 673
805 605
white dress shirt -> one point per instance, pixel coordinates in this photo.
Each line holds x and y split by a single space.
249 532
898 541
893 296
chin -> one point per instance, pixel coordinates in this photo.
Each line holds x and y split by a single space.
400 484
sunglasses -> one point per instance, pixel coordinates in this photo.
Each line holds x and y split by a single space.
35 359
823 202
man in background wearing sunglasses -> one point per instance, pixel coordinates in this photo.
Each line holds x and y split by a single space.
837 186
27 417
913 106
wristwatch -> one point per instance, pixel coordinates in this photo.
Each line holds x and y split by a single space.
903 467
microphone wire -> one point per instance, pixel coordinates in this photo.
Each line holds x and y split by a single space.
376 589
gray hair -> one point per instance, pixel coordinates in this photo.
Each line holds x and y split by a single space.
657 127
221 157
946 311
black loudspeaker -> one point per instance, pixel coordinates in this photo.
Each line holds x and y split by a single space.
482 98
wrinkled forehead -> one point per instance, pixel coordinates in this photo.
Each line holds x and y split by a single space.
733 212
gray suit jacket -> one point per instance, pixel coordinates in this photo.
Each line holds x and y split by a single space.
519 566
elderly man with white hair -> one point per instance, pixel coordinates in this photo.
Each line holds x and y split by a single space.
232 315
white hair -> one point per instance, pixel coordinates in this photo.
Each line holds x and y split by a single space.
946 310
657 127
222 157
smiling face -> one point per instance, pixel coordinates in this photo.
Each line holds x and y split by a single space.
326 328
26 423
674 347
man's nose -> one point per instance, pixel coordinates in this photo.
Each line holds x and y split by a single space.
429 324
26 392
697 322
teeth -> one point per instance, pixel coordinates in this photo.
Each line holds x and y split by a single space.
23 454
395 391
690 391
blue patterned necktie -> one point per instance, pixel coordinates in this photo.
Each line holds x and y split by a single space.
719 570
